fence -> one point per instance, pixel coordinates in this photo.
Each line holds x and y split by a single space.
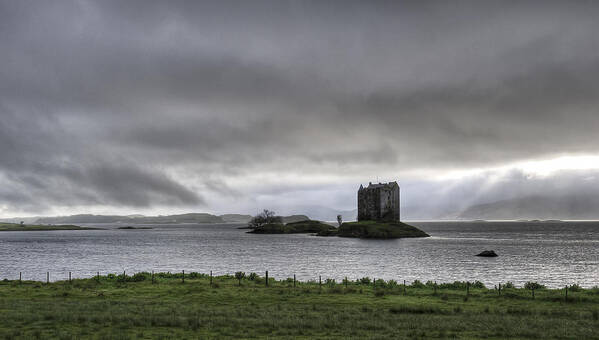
532 286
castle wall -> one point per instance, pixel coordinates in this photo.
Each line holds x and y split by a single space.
379 202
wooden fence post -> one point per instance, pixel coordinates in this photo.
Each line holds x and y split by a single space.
183 278
566 293
69 277
293 280
20 277
319 281
47 277
266 281
404 287
499 289
211 278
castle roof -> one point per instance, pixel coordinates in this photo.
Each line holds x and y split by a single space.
380 185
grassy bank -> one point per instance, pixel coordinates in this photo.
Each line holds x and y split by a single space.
37 227
132 307
378 230
300 227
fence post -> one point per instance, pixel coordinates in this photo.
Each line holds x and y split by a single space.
124 275
566 293
20 277
346 282
183 279
69 277
319 281
499 289
211 278
404 287
47 277
152 277
293 280
374 283
266 278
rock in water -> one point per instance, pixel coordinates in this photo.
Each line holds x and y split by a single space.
487 253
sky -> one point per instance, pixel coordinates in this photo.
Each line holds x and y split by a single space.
161 107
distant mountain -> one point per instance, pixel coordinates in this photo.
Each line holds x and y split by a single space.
27 220
236 218
161 219
183 218
295 218
139 219
536 207
321 213
81 218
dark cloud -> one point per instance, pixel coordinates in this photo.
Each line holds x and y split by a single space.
185 103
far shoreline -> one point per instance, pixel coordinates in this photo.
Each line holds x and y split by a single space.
40 227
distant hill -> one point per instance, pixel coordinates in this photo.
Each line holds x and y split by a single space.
236 218
82 218
536 207
320 213
183 218
161 219
167 219
28 220
295 218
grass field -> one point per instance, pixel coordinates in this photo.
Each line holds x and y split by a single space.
122 307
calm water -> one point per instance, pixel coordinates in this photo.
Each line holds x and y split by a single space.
555 254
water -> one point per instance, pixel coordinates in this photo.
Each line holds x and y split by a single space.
554 254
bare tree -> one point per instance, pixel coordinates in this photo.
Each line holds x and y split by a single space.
339 220
265 217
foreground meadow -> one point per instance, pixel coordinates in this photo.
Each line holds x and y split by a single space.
162 306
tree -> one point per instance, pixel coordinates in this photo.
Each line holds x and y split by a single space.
265 217
239 276
533 285
339 220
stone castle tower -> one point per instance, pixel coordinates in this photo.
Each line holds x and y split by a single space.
379 202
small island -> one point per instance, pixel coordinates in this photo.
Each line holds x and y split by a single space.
39 227
301 227
378 218
361 229
375 230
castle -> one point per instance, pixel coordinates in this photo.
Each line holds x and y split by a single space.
379 202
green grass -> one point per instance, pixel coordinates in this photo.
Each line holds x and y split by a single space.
380 230
119 307
300 227
36 227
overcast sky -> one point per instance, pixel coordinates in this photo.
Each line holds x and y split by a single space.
174 106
